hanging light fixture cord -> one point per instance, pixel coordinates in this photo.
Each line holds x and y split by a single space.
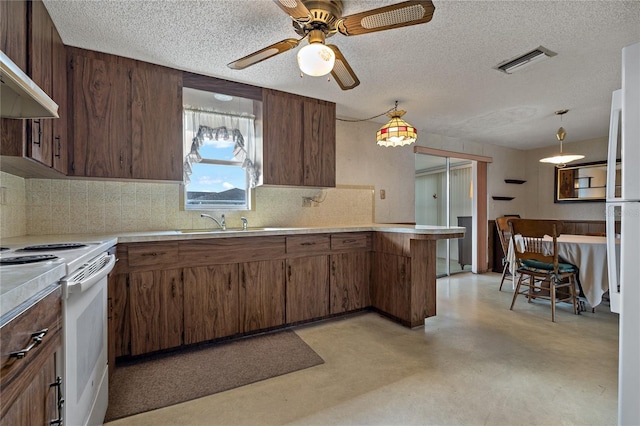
370 118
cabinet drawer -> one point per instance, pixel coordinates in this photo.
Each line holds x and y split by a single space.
350 241
17 335
308 243
164 254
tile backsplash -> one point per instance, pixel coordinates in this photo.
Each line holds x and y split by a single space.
50 206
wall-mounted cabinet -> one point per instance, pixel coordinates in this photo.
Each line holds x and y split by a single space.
299 140
31 40
126 118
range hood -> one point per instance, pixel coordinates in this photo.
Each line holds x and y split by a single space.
21 97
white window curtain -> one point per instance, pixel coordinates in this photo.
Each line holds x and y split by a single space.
200 124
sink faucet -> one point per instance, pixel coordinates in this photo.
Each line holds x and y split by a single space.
244 223
222 224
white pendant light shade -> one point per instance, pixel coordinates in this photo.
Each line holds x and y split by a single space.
316 59
561 159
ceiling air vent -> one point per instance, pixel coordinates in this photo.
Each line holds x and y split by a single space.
515 64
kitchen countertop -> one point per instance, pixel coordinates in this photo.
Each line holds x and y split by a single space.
19 286
149 236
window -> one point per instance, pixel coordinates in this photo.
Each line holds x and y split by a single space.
219 146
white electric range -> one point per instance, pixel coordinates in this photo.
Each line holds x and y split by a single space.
81 268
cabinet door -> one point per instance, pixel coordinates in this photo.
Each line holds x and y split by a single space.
40 133
59 94
37 403
13 42
282 145
118 316
261 295
390 289
210 302
350 281
101 119
307 288
156 310
319 143
156 122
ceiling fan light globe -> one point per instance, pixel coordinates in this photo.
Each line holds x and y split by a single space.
316 59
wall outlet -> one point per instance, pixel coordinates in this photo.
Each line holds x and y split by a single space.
307 202
383 194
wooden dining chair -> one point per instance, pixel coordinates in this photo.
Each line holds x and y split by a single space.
542 275
504 233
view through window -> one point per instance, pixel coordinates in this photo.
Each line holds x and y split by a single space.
219 147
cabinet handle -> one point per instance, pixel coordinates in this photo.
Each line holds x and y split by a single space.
149 254
173 289
57 138
36 339
289 272
348 241
39 132
229 281
59 400
333 267
309 243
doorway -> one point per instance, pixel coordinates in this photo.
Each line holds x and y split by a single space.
444 197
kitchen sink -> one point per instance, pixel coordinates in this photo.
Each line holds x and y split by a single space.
218 230
199 231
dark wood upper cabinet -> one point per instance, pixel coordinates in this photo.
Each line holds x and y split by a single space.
126 118
40 131
319 143
60 160
156 122
33 43
13 42
299 140
101 112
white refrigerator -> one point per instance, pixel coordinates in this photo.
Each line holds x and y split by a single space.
623 206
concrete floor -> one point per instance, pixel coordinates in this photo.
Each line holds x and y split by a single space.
476 362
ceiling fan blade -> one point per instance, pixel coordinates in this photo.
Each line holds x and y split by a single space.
342 72
266 53
388 17
295 9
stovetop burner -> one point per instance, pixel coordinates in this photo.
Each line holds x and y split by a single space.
21 260
57 246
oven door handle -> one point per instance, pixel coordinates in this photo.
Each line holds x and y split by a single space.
83 284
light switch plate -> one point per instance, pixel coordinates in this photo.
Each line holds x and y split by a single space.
383 194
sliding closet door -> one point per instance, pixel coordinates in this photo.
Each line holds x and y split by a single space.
443 197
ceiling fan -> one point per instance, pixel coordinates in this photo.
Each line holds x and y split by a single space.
316 20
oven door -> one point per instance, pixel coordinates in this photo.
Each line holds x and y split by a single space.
85 342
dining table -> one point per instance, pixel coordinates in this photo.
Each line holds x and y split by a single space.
588 253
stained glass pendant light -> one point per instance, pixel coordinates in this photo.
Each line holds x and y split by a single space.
562 158
396 132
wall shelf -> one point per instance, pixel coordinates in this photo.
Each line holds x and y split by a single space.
496 197
516 181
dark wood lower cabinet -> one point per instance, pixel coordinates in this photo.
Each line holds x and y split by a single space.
307 288
262 293
25 383
167 294
156 309
210 302
349 284
390 291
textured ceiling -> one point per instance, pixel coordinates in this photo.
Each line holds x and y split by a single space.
440 72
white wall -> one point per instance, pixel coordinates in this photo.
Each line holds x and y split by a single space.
361 162
541 177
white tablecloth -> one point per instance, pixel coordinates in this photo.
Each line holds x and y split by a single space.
589 254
